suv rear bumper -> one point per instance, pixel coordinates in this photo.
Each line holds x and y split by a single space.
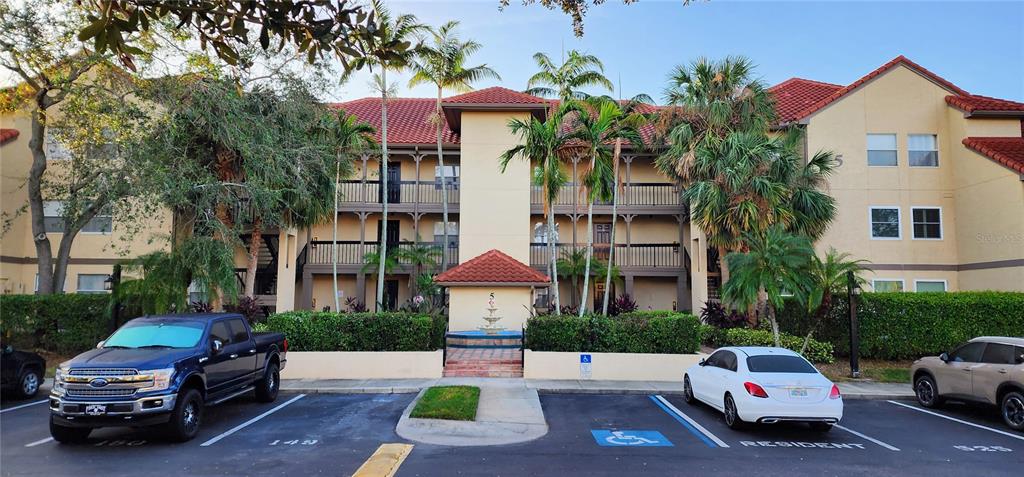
145 411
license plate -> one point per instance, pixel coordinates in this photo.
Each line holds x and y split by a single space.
798 392
96 409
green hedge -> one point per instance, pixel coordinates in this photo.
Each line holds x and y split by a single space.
65 323
329 331
636 332
817 352
911 325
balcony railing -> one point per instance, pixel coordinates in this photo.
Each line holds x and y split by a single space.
402 192
647 255
352 253
632 194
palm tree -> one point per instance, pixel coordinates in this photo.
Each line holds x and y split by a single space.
390 48
825 278
372 261
542 143
775 262
572 265
349 136
419 256
563 81
443 65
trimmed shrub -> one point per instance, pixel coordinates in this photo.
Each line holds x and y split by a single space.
817 352
329 331
911 325
62 323
636 332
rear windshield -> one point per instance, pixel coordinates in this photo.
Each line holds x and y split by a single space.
779 364
178 334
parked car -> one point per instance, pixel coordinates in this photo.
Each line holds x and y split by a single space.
163 370
21 372
763 385
988 370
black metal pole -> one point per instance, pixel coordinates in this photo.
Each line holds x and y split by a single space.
115 312
852 290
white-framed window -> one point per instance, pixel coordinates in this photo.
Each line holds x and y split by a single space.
923 150
882 150
887 284
91 283
927 223
453 233
196 294
36 289
885 222
451 176
55 150
53 219
540 233
929 285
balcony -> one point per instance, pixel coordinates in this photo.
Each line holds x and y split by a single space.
405 196
634 197
319 254
649 257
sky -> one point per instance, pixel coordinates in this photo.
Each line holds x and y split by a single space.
979 46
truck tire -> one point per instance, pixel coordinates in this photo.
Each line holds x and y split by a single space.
68 435
29 382
186 416
267 387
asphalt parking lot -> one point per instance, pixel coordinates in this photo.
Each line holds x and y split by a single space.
333 434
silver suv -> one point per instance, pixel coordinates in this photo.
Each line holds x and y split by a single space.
989 370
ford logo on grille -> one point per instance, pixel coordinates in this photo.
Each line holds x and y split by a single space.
98 383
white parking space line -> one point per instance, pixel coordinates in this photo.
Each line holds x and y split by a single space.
39 442
15 408
251 421
867 438
680 414
979 426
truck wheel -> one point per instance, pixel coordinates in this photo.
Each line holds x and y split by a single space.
186 417
68 435
28 383
266 388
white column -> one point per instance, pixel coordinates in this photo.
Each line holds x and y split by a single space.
287 251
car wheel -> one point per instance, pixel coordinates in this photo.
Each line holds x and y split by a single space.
28 384
1013 410
68 435
186 417
688 391
821 426
266 389
732 417
927 392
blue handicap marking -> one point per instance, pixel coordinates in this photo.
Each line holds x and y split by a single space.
628 438
584 358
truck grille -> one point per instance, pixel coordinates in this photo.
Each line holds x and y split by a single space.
81 392
103 372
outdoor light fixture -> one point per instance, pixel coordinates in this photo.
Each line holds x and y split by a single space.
108 283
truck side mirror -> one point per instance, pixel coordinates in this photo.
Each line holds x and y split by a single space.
218 345
944 357
100 344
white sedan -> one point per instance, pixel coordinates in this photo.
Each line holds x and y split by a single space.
764 385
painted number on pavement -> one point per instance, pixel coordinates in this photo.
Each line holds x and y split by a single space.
805 445
609 438
295 442
120 443
983 448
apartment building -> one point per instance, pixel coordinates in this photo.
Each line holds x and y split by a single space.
930 191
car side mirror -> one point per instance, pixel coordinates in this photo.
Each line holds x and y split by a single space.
944 357
218 346
702 362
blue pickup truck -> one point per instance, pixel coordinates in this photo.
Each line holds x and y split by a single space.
163 371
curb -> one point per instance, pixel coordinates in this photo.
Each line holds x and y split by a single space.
415 390
386 390
880 397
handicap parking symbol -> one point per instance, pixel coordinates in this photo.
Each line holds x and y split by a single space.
627 438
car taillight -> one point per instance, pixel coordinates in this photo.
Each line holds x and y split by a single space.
755 390
286 345
834 393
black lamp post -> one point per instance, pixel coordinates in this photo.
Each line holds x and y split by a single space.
853 291
110 284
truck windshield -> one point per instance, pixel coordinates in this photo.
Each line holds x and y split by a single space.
156 335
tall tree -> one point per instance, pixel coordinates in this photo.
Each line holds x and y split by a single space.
390 48
542 143
576 9
443 64
420 256
96 122
564 81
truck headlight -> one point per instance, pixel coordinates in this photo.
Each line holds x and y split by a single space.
58 380
161 379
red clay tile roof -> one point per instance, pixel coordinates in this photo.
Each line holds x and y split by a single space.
974 102
8 135
408 119
899 60
494 95
796 94
1008 151
492 266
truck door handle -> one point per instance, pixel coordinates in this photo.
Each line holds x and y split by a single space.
252 351
233 356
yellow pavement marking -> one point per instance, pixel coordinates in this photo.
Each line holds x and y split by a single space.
384 462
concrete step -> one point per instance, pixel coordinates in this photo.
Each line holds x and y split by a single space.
482 362
484 373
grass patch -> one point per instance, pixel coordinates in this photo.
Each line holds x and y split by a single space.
457 403
870 369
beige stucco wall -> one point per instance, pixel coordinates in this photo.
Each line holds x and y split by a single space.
467 306
494 206
364 365
608 366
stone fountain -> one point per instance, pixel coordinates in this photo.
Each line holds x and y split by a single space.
491 327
